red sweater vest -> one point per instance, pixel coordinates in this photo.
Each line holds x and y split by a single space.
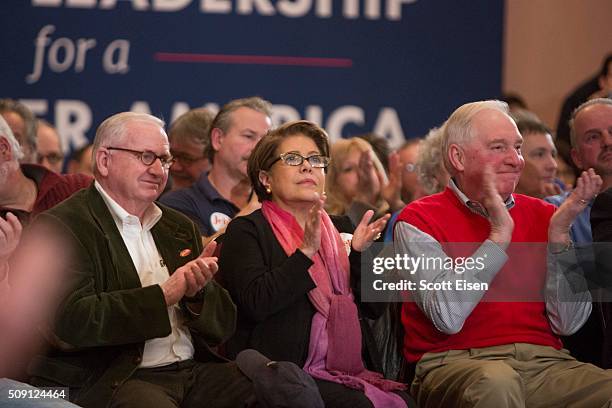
448 220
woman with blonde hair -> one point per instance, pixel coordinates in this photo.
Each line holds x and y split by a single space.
357 182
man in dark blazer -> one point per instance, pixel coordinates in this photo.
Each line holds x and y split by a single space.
140 315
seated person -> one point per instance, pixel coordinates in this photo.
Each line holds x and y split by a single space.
290 273
357 181
224 192
49 152
472 349
188 136
24 292
539 151
140 314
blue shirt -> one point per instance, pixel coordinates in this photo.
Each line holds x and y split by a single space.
580 231
203 204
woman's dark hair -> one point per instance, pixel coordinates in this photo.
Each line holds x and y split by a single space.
266 151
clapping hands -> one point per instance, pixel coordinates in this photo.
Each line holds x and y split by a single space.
367 232
587 187
190 278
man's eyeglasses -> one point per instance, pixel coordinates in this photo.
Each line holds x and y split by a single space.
296 159
147 157
52 158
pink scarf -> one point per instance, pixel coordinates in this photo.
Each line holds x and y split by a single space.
334 352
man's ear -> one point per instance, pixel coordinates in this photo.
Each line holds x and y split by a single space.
6 152
216 139
456 157
102 161
575 154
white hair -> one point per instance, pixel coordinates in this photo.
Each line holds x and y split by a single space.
458 127
7 133
112 129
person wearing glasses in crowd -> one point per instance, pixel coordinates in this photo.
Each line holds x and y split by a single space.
294 273
28 189
141 311
409 154
49 147
224 192
188 136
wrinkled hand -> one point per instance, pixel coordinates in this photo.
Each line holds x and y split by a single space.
502 224
312 228
391 190
10 234
190 278
587 187
367 232
367 188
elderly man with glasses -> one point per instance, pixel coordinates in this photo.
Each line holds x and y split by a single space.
141 313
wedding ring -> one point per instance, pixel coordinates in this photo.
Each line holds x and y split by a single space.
377 237
583 201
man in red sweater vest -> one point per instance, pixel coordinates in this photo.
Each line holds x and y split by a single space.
487 335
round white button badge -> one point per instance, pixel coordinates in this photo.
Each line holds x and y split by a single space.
219 220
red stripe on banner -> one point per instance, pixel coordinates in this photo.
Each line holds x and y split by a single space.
254 59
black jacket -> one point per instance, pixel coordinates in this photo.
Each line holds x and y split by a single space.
271 289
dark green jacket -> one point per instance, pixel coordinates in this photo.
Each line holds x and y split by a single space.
106 316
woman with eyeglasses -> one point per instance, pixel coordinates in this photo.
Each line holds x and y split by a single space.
294 273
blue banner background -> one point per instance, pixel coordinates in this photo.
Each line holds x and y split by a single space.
406 75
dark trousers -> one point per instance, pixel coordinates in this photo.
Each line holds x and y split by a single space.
185 384
338 396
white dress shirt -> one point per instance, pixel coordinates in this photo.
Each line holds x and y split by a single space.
152 271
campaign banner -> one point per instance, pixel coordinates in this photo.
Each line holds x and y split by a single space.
392 67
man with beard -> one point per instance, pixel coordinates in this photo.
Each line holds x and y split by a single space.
225 191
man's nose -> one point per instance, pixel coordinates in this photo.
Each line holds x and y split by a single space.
551 163
514 158
157 167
